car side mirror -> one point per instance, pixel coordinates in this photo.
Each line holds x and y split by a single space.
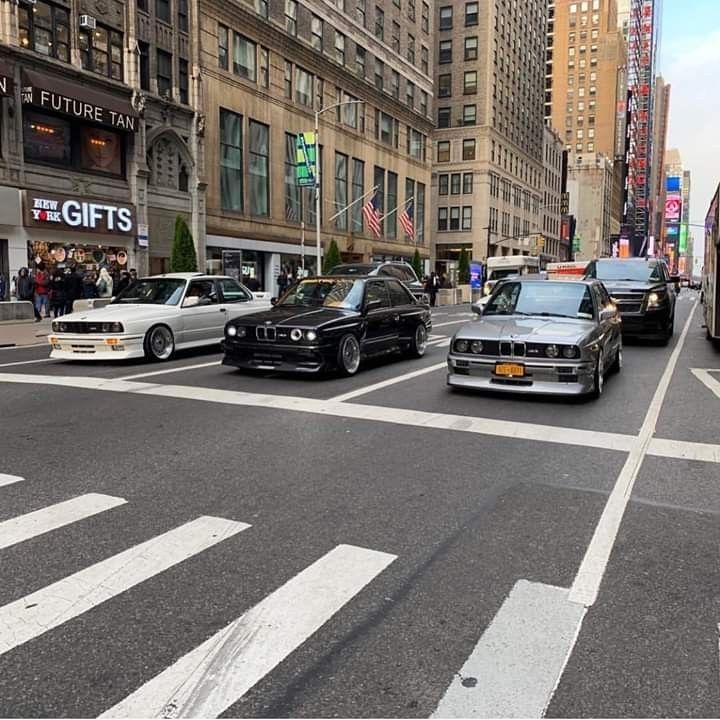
373 305
477 309
191 301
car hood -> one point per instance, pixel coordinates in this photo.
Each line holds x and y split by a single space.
630 285
528 329
120 313
297 316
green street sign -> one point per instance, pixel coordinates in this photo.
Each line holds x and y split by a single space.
576 243
305 159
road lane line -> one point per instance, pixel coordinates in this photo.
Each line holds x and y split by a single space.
24 347
707 379
683 450
585 588
513 670
41 611
28 362
170 370
387 383
23 527
9 479
215 675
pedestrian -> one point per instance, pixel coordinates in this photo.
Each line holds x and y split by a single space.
73 288
123 282
133 275
3 287
42 290
58 294
25 290
89 289
432 285
282 282
104 284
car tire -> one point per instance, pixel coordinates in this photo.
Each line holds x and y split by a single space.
159 343
349 355
599 379
418 343
669 331
618 362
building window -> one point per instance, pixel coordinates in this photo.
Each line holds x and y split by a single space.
468 151
261 8
360 12
454 218
395 84
443 117
471 48
292 191
410 94
379 74
445 85
445 52
352 114
244 58
443 151
182 12
385 128
358 190
360 60
264 66
423 103
231 161
259 168
319 93
469 114
303 87
379 183
339 47
183 81
392 197
164 73
316 30
442 225
443 180
471 14
455 180
470 82
341 190
379 23
144 60
162 10
411 49
101 51
425 18
415 144
223 41
467 218
446 17
411 10
467 183
288 80
291 17
395 37
45 29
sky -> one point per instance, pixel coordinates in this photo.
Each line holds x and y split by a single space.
690 62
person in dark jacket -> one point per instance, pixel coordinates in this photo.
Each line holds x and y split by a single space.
89 289
3 287
432 285
122 282
25 290
73 288
58 295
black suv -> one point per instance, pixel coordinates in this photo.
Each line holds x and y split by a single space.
399 270
644 292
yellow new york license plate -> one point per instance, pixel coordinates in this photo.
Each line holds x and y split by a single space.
510 370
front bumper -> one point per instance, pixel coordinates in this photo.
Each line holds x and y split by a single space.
120 346
649 322
280 358
556 377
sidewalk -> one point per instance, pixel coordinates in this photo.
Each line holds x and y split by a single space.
13 334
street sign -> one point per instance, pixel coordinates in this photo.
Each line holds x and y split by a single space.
577 240
142 236
305 159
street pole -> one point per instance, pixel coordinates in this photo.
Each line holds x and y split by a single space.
302 247
318 248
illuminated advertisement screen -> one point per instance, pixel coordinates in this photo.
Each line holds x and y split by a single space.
673 184
673 230
682 244
673 207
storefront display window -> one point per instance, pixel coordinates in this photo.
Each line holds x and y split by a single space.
85 258
47 139
101 151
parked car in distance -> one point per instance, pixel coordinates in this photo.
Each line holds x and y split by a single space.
644 292
153 318
548 337
402 271
330 323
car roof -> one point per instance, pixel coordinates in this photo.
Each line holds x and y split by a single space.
546 280
187 276
637 260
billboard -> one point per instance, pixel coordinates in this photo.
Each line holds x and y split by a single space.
673 231
683 242
673 207
673 184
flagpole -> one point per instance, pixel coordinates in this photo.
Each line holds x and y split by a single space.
354 202
399 207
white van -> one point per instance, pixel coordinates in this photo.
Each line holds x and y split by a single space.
502 267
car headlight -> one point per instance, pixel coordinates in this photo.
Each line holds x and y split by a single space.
56 327
552 351
296 334
462 346
231 331
570 352
476 346
311 335
655 299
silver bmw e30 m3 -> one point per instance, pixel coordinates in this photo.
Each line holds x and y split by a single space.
540 337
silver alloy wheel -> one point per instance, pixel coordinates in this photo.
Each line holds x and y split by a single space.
420 340
599 375
619 361
161 343
350 355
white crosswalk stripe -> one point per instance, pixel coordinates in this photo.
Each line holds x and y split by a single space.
9 479
216 674
48 608
24 527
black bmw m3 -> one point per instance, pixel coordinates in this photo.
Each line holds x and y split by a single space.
330 323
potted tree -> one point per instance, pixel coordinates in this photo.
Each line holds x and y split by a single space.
464 277
183 257
417 264
332 258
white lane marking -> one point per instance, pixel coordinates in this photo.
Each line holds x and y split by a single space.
41 611
585 588
707 379
215 675
9 479
28 362
24 347
170 370
23 527
513 670
387 383
454 322
683 450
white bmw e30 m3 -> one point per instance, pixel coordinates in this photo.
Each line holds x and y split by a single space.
154 317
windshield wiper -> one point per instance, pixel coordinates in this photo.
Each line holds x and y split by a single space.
545 314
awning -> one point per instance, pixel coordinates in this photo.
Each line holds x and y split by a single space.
6 80
78 101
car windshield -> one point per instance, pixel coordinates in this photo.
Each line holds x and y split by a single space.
152 291
331 293
543 299
632 271
352 269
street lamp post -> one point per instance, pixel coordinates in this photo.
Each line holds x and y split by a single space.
318 246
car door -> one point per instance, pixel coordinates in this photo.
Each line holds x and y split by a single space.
609 319
381 329
407 311
237 299
202 314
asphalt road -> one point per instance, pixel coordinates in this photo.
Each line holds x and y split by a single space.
205 542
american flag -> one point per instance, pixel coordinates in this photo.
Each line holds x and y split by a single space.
372 216
290 209
406 220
